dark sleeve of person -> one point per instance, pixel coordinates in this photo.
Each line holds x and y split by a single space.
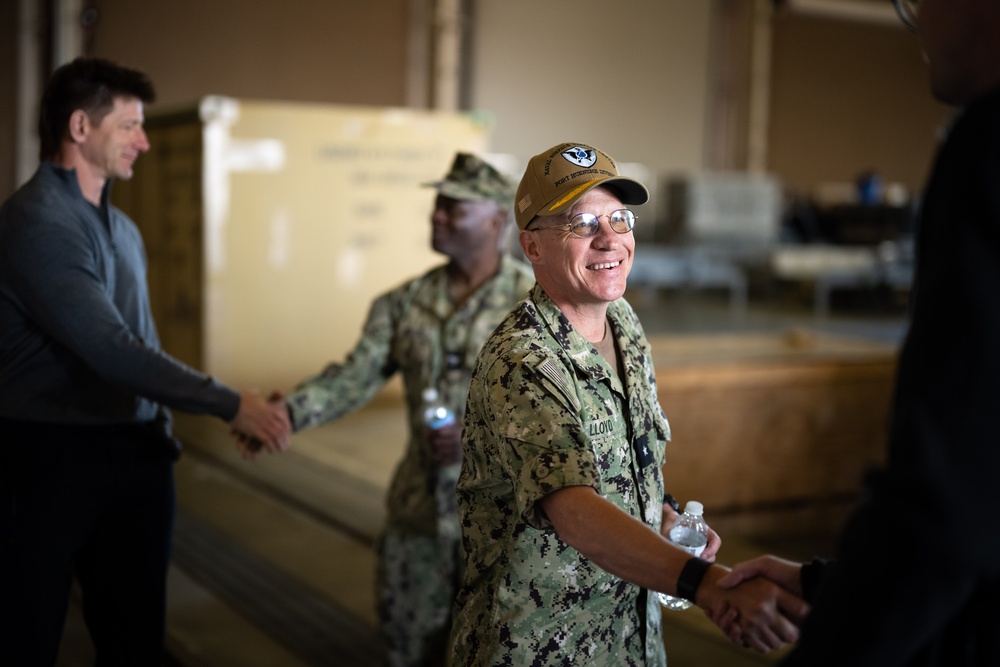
915 582
812 576
57 272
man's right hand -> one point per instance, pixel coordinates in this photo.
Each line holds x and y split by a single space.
261 423
785 573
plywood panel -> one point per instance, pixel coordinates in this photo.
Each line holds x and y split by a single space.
297 247
271 227
773 430
164 198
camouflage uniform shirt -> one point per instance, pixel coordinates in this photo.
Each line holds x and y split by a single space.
546 411
416 330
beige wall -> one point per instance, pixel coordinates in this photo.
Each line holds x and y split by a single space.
542 80
637 80
634 77
293 50
630 78
847 97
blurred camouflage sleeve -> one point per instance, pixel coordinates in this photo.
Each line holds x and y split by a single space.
346 386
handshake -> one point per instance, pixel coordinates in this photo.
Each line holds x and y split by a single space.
778 616
758 604
261 424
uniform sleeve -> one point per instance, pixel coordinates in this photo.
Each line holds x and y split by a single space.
541 443
346 386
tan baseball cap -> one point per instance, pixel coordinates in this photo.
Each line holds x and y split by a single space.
559 176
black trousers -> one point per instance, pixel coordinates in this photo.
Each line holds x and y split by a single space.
96 502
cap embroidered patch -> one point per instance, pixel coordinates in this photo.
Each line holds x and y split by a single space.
580 156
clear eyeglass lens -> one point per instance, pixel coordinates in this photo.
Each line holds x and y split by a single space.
584 225
622 220
587 224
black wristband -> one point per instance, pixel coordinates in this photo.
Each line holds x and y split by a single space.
691 575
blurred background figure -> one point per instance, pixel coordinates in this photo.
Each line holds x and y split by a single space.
430 330
917 575
86 444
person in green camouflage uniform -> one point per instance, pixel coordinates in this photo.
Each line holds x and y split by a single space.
561 489
430 329
546 411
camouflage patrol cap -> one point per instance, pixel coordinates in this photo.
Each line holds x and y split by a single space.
559 176
472 179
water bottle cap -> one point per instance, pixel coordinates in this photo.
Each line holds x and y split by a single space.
430 395
694 507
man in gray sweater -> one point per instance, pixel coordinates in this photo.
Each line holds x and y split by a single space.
86 448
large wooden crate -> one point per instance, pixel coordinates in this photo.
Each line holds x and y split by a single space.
270 227
773 433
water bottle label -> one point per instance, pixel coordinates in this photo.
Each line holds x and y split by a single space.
694 551
688 539
440 423
439 417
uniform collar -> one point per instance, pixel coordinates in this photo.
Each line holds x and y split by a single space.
581 351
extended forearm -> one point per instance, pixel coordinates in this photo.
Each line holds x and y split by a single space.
614 540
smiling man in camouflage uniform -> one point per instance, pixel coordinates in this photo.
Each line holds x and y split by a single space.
561 490
430 329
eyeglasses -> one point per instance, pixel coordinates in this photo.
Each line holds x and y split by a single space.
586 225
907 10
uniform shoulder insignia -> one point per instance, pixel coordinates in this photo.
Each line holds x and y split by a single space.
555 374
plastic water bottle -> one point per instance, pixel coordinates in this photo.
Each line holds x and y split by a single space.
438 415
690 533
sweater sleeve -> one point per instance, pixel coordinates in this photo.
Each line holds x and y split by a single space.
59 273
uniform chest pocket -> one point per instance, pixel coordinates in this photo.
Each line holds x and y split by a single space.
608 435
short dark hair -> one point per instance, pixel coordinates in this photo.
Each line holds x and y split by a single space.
89 84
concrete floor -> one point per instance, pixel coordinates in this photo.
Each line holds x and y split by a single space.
273 564
302 532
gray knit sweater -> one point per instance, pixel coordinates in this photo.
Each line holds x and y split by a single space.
77 340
